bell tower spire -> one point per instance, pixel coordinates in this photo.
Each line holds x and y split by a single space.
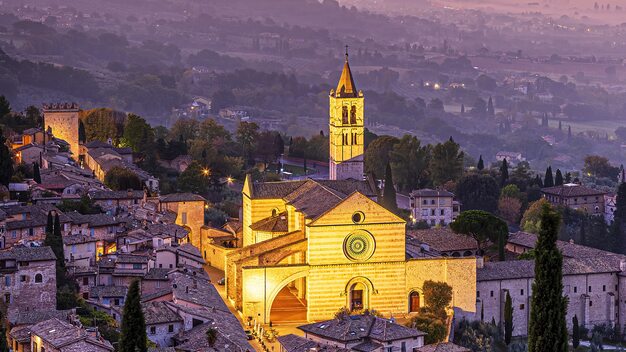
346 128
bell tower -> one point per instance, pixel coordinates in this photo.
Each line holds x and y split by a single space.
346 128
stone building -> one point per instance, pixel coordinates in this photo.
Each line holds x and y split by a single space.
576 196
189 210
56 335
356 333
63 120
28 278
162 323
346 128
593 281
435 207
317 246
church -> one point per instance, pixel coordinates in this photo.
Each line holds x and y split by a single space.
312 247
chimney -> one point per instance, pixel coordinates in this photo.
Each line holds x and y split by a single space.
480 262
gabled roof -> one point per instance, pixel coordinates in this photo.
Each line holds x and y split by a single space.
28 254
374 212
360 327
276 223
182 197
443 347
572 190
159 313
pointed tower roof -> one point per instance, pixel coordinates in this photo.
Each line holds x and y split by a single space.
346 87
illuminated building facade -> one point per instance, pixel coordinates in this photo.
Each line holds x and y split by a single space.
315 246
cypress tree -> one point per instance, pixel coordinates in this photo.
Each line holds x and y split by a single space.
548 180
49 224
5 106
508 319
6 162
389 192
133 329
4 345
36 173
504 172
538 181
569 132
620 204
575 332
560 125
481 163
462 109
82 136
547 330
558 178
490 110
304 166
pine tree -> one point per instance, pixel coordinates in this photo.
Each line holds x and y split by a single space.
4 345
490 109
558 178
6 162
548 180
133 329
504 172
389 192
481 163
508 319
575 332
538 181
547 330
36 173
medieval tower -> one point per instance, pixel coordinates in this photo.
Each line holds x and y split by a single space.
346 128
62 121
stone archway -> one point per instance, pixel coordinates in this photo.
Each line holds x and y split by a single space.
288 301
358 292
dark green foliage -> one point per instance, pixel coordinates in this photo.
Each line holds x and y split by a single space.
575 332
481 163
476 335
66 287
490 110
389 193
547 330
548 180
446 162
5 106
478 192
36 173
133 329
120 179
620 202
4 345
558 178
49 224
504 172
434 327
84 206
139 134
508 319
410 163
481 226
437 297
211 336
377 154
6 162
193 179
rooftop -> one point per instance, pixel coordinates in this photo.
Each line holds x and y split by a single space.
572 190
442 239
159 313
182 197
28 254
427 192
443 347
295 343
358 327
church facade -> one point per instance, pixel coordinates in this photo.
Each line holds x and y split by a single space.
328 244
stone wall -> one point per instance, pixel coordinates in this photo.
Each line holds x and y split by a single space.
64 125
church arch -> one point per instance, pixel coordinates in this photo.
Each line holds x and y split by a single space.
353 115
271 297
344 115
358 292
415 301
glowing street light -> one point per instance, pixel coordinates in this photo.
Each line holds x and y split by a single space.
206 171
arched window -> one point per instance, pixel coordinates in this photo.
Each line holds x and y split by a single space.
38 278
344 115
353 115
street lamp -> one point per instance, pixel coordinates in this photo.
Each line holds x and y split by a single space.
206 171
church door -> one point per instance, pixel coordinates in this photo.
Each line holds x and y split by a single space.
414 302
356 301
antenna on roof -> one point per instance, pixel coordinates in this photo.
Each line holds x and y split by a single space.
346 53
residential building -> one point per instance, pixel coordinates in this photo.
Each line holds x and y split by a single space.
577 197
435 207
162 323
360 333
168 256
80 250
55 335
189 209
511 157
610 206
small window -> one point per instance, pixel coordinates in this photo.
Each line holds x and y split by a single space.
353 115
85 281
7 281
358 217
38 278
491 293
478 294
521 292
575 289
170 328
137 266
521 306
589 288
116 301
23 278
153 330
590 303
603 288
7 298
